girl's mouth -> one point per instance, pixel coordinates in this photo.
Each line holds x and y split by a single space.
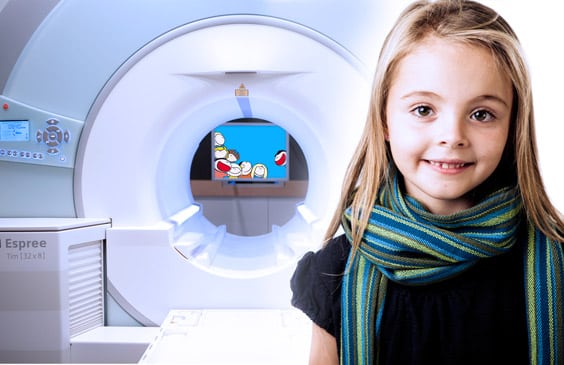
448 165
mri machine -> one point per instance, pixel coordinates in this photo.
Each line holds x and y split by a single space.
118 97
104 105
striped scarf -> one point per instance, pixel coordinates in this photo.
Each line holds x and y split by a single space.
405 243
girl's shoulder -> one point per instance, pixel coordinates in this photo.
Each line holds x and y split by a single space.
326 263
333 256
316 283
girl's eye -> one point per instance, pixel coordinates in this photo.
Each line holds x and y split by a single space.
483 116
422 111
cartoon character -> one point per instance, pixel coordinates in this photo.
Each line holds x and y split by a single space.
220 151
259 171
221 168
218 139
235 171
246 168
280 158
232 155
225 165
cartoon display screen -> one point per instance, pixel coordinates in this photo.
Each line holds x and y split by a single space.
249 152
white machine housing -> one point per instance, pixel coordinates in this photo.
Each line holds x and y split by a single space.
52 285
119 140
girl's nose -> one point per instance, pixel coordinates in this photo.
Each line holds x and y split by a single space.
452 133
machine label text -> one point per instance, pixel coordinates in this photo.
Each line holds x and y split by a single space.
22 244
23 250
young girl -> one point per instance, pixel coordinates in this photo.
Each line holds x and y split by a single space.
452 251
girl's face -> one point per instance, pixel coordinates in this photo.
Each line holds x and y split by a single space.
448 116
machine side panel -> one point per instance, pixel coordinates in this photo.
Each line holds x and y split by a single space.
35 191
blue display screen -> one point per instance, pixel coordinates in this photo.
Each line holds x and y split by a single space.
14 130
250 152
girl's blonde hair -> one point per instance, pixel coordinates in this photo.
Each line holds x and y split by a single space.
471 23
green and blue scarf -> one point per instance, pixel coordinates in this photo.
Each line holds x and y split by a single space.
405 243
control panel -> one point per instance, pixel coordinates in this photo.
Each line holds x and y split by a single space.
31 135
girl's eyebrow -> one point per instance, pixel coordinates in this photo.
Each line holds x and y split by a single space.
430 94
419 93
494 98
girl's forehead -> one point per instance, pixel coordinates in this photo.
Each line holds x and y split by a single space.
444 51
451 69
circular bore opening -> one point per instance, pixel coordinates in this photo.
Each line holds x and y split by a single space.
248 174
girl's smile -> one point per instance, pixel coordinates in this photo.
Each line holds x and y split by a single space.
448 115
449 167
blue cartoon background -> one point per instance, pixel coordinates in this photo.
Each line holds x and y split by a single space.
250 152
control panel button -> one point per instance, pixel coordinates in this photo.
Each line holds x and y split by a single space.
54 135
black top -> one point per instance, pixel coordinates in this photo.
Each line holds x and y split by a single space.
477 317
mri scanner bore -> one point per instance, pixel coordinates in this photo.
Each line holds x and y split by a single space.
241 169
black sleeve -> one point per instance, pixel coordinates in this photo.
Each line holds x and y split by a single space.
316 284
